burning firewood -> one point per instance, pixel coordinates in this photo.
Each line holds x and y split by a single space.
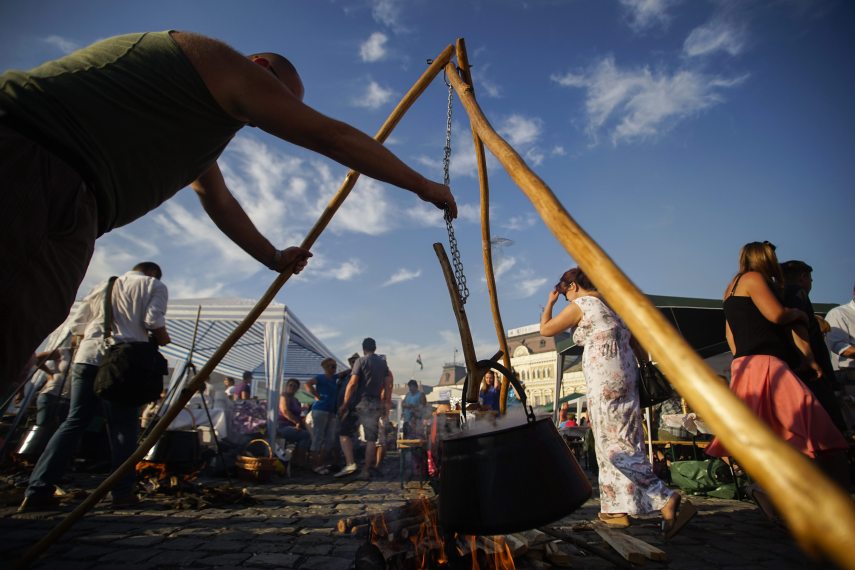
418 507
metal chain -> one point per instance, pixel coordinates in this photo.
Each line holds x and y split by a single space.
460 278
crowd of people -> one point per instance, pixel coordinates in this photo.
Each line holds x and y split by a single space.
789 371
347 404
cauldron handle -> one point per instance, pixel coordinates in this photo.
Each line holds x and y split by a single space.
512 378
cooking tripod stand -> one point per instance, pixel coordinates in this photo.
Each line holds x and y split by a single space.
188 372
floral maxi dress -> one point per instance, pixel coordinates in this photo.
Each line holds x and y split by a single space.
626 479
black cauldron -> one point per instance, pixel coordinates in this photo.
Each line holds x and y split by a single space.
511 479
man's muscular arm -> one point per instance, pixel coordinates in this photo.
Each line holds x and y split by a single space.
225 211
251 94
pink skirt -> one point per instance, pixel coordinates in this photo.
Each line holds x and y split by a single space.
777 396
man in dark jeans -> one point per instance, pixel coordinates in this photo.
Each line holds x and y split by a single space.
139 307
798 283
370 386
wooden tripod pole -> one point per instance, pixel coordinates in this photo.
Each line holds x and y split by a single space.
349 180
486 245
819 513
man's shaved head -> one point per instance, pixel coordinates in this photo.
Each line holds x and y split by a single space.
283 69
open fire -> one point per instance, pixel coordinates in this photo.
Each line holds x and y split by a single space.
410 537
180 489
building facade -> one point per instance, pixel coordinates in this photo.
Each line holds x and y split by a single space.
535 359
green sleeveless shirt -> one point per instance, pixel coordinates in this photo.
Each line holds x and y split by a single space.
130 113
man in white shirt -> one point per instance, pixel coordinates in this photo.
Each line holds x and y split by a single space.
139 308
841 342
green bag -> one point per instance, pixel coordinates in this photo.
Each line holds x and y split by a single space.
709 477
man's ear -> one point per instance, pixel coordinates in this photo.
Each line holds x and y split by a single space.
262 61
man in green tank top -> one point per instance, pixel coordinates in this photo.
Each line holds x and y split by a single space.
94 140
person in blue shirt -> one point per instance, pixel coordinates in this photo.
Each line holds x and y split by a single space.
490 393
413 408
325 391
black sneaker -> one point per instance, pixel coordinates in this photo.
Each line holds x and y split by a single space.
38 503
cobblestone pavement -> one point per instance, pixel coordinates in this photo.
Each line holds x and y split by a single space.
292 525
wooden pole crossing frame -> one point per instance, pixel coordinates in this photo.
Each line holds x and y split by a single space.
819 513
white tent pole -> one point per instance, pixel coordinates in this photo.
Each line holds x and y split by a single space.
274 342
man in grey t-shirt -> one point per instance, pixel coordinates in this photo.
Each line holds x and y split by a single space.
370 386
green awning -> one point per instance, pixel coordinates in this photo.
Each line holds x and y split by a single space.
567 398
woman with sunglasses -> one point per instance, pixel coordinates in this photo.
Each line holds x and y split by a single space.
760 334
627 483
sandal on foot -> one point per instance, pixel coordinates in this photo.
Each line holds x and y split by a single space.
614 520
685 512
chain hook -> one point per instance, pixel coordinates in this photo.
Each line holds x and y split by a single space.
460 278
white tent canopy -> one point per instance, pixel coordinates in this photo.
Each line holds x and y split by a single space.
277 345
260 348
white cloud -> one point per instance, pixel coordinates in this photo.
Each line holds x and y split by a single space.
469 212
570 79
463 159
191 287
558 150
635 104
270 185
425 214
369 212
643 15
520 130
716 35
483 84
375 96
64 45
535 156
388 13
402 275
374 48
503 265
519 223
347 270
181 227
531 286
324 332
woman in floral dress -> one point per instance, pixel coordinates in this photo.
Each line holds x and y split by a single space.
627 483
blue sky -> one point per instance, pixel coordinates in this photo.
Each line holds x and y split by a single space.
672 131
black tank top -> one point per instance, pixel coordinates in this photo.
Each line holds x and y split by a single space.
752 332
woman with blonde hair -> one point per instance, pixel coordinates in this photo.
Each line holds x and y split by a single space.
759 331
627 483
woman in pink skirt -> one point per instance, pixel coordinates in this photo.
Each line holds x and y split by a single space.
759 332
